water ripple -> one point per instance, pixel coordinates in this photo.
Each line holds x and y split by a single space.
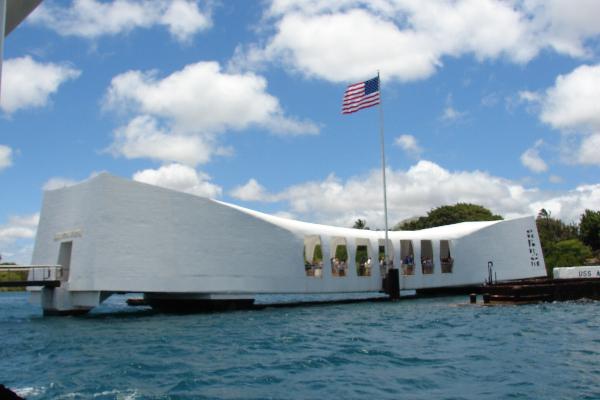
419 349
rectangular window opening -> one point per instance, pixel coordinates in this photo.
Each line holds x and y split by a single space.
446 259
407 257
427 264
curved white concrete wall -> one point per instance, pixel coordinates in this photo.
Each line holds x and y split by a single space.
133 237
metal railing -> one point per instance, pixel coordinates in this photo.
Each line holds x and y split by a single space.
37 275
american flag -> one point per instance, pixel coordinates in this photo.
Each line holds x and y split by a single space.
361 95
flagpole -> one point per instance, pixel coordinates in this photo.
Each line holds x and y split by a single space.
385 248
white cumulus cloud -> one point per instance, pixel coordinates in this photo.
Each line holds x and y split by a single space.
529 96
339 47
16 236
251 191
181 178
5 157
184 19
19 227
415 191
573 103
179 117
572 106
143 138
563 25
451 114
409 144
92 18
570 204
27 83
532 160
408 39
410 193
589 151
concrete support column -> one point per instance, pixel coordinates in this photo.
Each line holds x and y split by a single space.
61 301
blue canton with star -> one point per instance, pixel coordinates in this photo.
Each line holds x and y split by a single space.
371 86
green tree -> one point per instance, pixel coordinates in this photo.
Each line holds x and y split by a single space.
360 224
341 252
589 229
566 253
446 215
544 213
361 254
12 276
552 230
318 255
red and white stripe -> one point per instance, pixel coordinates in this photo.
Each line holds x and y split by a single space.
355 99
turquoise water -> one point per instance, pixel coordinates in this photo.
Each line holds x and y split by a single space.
415 349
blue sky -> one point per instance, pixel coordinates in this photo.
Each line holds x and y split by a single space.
484 101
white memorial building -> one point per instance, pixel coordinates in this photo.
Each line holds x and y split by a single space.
111 235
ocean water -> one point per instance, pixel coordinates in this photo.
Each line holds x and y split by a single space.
439 348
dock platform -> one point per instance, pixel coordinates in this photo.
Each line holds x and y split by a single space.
541 290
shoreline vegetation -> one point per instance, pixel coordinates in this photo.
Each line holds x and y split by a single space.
12 276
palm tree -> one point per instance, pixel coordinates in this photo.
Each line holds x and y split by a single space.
544 214
360 224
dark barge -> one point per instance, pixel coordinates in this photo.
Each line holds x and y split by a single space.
540 290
